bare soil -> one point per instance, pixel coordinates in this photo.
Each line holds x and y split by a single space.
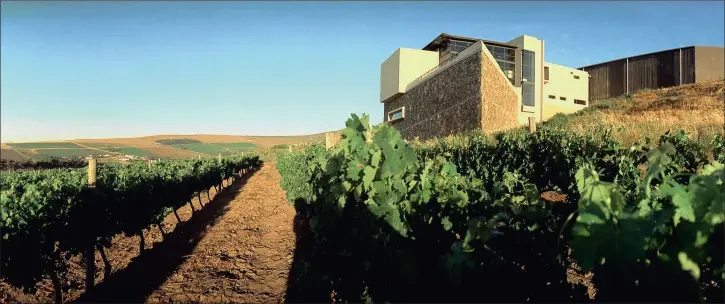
237 248
7 153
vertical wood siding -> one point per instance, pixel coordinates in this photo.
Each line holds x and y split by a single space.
650 71
606 80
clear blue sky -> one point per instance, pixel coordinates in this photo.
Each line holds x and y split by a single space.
123 69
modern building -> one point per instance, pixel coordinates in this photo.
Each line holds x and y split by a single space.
455 84
694 64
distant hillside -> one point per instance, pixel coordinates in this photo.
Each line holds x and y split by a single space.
698 109
157 146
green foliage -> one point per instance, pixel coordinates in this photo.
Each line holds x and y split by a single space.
383 212
46 213
69 152
133 151
373 191
718 145
217 148
663 233
689 156
296 168
6 164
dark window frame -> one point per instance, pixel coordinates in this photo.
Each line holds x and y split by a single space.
528 78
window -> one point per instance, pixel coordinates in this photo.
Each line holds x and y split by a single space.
576 76
546 73
396 114
528 66
562 98
552 96
508 69
451 48
458 46
528 94
528 73
580 102
506 60
502 53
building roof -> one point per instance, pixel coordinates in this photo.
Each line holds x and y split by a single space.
443 37
645 54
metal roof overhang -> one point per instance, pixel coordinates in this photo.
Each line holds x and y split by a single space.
443 38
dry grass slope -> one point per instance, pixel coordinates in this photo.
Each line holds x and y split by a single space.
699 109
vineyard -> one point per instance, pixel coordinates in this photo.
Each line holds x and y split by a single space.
50 215
467 218
550 215
6 164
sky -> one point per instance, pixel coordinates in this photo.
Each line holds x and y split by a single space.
71 70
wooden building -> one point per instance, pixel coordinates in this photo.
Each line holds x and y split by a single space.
694 64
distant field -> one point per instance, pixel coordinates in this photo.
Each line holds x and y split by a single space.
103 145
43 145
217 148
69 152
133 151
177 146
178 141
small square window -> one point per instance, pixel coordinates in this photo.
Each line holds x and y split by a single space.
576 76
580 102
562 98
396 114
546 73
552 97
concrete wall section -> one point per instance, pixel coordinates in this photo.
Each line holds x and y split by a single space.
563 84
403 67
709 64
389 77
447 103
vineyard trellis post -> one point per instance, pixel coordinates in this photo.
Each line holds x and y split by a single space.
532 125
219 157
90 255
149 162
92 172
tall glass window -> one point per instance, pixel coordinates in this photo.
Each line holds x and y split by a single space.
528 74
506 60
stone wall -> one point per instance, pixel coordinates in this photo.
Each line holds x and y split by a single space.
447 103
500 101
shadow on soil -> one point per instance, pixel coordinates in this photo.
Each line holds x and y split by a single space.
148 271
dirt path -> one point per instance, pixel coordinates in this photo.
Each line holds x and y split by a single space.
244 257
236 249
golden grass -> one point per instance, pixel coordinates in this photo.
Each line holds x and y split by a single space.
699 109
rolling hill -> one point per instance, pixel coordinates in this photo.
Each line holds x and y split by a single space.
157 146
